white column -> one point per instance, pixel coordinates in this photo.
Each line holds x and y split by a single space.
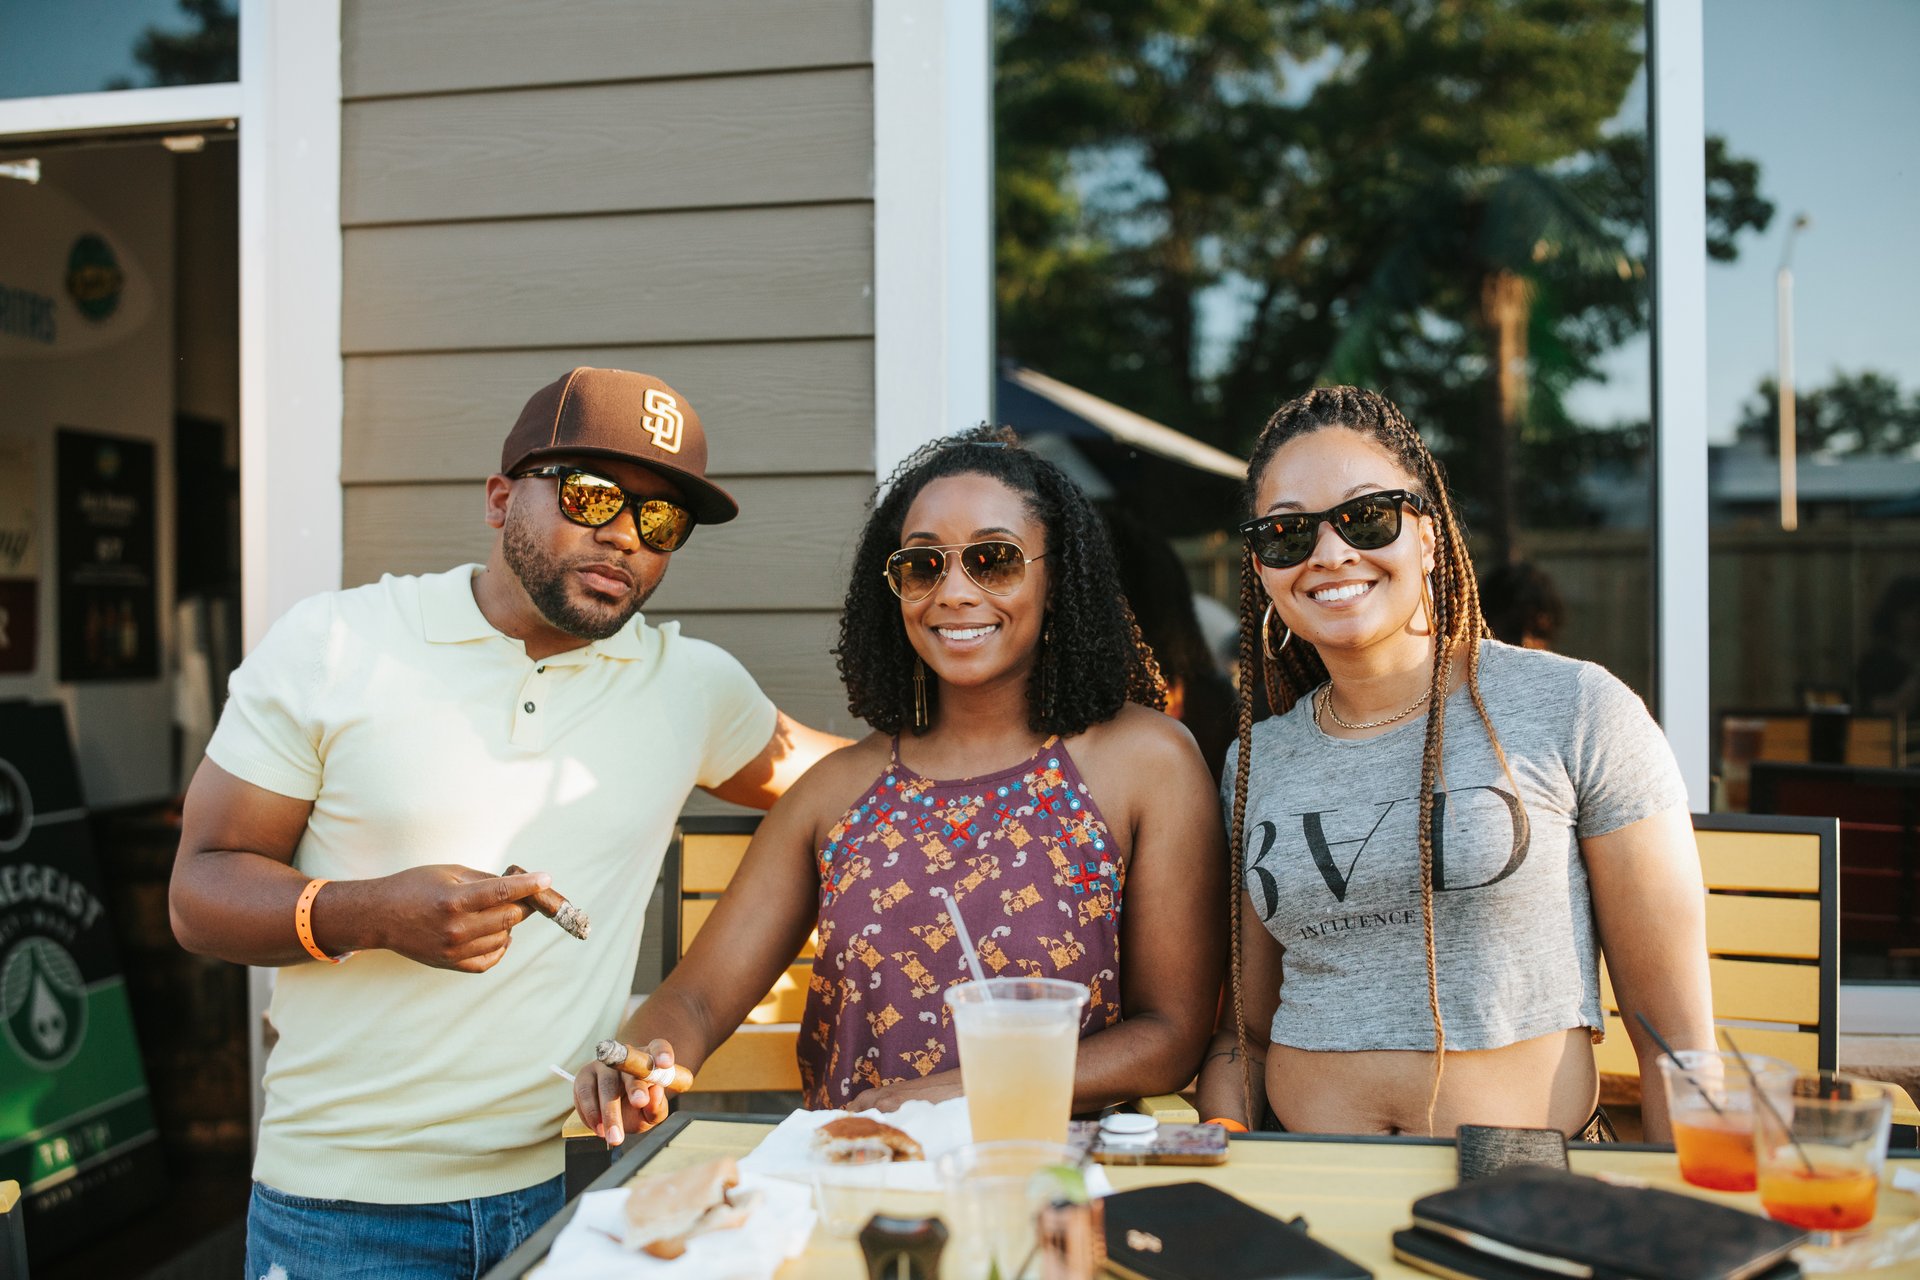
290 370
933 221
1680 387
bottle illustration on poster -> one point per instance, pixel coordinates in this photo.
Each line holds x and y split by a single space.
107 556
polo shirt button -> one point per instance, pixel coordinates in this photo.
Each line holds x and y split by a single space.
528 707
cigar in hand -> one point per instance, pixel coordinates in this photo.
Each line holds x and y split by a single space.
556 908
638 1063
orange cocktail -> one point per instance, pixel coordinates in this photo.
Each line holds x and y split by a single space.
1820 1154
1710 1102
1831 1198
1716 1152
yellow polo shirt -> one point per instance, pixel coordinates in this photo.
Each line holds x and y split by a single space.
423 735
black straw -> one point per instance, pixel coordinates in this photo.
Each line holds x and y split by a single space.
1675 1059
1753 1083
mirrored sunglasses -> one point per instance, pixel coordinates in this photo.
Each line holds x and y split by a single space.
995 566
1366 523
593 501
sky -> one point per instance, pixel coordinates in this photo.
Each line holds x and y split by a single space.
40 55
1822 93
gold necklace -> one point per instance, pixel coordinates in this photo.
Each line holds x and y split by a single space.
1328 713
1325 705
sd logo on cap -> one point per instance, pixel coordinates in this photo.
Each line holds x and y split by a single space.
612 413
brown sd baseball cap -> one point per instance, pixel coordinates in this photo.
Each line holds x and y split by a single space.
611 413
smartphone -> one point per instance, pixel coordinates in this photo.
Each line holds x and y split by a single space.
1190 1144
1486 1149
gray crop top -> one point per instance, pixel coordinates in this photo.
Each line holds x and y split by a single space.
1332 861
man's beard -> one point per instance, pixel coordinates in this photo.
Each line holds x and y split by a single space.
546 578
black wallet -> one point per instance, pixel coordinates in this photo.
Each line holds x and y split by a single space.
1546 1222
1487 1149
1194 1231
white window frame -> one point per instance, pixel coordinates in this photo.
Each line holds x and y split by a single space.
1677 99
287 107
933 295
933 223
125 109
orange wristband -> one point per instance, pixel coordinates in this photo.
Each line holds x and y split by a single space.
1231 1126
303 922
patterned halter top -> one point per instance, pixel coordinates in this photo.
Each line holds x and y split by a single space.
1029 859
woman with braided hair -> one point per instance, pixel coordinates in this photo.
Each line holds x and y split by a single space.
1435 834
1019 767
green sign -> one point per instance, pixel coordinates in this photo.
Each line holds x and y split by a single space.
94 277
76 1127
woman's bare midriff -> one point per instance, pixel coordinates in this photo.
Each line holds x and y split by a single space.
1547 1082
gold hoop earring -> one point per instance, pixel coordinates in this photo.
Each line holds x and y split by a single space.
919 694
1426 603
1266 635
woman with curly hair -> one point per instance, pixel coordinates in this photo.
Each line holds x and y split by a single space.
1436 834
1019 763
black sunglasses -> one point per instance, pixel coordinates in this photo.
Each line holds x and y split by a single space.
593 500
995 566
1366 523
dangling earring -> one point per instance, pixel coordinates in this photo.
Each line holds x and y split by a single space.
1426 602
1046 684
1266 635
919 694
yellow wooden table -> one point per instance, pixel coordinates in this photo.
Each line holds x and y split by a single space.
1353 1192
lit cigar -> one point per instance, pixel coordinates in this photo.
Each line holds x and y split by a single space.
638 1063
556 908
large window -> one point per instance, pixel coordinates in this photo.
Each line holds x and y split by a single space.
1204 209
1816 529
50 47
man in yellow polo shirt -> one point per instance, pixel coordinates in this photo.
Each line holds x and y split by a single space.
385 754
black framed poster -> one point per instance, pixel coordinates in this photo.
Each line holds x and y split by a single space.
19 559
104 509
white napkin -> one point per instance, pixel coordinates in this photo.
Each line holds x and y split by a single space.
589 1246
939 1127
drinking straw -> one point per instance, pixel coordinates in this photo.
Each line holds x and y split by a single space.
966 942
1675 1059
1753 1083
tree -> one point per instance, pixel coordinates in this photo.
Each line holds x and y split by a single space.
1422 195
208 53
1856 414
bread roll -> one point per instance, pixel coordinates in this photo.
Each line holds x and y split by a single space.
672 1206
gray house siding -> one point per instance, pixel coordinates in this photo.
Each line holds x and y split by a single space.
680 188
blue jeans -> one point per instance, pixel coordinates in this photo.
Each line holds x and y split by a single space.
307 1239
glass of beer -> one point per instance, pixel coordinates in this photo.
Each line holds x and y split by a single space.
1710 1102
1820 1157
1017 1039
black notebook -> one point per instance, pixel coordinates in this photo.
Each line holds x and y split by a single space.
1194 1231
1548 1223
1455 1261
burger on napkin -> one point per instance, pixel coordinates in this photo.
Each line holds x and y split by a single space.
837 1140
667 1210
